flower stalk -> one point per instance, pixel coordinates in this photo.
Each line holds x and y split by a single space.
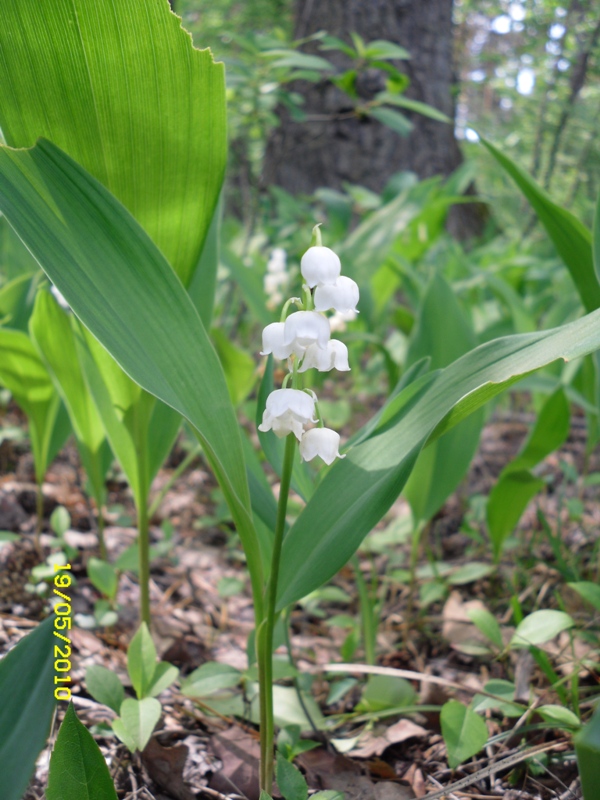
265 649
303 340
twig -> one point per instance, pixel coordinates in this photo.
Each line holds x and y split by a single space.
504 763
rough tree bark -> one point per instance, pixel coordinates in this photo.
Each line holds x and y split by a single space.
331 146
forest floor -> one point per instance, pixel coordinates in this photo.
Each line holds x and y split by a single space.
202 612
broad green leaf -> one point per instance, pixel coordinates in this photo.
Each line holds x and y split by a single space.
381 49
549 432
104 686
507 501
540 627
571 238
468 573
26 706
104 577
559 715
392 119
487 623
23 373
137 721
15 301
141 661
78 770
52 330
164 675
503 700
294 58
290 780
412 105
238 366
210 677
587 747
441 467
596 245
144 112
589 590
516 485
464 732
386 691
124 291
358 490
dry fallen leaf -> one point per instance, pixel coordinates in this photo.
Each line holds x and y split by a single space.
376 741
239 753
165 766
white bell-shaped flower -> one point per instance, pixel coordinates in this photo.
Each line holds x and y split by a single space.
320 266
337 322
322 442
340 296
303 328
335 355
277 261
288 411
272 339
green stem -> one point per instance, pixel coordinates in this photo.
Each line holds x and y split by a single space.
265 635
39 508
366 612
101 542
144 558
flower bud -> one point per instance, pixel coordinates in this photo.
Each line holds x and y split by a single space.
335 355
320 266
288 411
303 328
340 296
272 338
322 442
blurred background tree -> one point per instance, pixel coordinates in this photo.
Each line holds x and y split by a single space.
523 72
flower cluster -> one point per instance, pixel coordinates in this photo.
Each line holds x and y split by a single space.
277 278
304 339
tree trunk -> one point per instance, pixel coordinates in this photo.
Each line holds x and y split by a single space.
333 145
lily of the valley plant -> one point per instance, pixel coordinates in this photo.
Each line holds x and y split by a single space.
303 340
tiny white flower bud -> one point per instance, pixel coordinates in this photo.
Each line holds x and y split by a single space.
340 296
322 442
335 355
303 328
288 411
277 261
320 265
272 338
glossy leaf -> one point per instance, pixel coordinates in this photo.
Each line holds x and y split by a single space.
26 706
104 686
144 112
587 747
357 491
124 291
589 590
23 373
464 731
290 780
137 722
571 238
78 770
51 329
104 577
164 675
540 627
441 334
516 485
141 661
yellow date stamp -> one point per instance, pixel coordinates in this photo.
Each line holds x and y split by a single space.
62 624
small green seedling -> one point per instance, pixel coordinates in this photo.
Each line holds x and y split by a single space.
137 716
